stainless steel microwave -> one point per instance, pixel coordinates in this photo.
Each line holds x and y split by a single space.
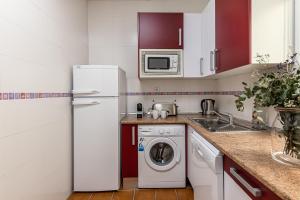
155 63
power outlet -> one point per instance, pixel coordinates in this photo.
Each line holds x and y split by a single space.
156 89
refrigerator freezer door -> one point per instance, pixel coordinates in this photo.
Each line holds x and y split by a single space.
96 144
95 81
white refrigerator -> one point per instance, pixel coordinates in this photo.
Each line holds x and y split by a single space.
99 103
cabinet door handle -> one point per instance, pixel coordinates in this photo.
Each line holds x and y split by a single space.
133 136
256 192
201 66
215 59
211 60
180 37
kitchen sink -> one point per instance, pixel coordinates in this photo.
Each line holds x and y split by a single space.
219 125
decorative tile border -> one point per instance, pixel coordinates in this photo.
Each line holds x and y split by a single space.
232 93
31 95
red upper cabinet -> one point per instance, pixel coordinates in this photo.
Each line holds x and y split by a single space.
233 32
129 150
160 30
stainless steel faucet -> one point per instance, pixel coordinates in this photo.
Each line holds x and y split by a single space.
230 117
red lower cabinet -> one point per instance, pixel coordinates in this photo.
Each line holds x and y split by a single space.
129 150
240 185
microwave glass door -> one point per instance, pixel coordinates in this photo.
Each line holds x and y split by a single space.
158 63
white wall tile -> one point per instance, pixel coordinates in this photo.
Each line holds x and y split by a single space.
227 103
40 41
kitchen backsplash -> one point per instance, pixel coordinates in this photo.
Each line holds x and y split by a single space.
183 93
188 101
31 95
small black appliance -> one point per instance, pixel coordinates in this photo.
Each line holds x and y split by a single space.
139 110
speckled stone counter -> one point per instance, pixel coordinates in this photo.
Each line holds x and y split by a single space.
180 119
251 150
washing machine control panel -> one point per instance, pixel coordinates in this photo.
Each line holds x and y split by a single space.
161 130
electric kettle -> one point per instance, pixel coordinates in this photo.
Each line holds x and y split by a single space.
207 106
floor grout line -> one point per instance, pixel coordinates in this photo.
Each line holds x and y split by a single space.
176 194
133 194
112 195
91 196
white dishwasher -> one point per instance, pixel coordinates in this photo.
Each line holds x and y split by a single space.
205 168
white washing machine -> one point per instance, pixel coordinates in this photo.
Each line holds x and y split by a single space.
161 152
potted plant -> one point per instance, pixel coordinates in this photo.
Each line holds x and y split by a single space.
279 89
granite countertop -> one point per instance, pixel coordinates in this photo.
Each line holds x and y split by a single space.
251 150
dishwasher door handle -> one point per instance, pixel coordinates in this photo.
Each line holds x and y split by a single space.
256 192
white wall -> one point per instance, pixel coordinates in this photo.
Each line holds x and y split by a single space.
297 25
39 42
226 103
113 40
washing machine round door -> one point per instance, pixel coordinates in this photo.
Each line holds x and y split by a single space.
162 154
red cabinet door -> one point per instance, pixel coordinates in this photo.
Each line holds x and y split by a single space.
160 30
129 150
237 173
233 28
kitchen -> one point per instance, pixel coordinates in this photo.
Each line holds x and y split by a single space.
44 39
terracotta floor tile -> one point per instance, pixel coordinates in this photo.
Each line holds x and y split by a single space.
144 194
123 195
80 196
102 196
166 194
138 194
185 194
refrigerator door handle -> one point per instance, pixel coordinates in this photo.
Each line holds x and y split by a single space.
77 92
75 103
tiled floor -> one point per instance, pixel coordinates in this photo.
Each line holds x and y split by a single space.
138 194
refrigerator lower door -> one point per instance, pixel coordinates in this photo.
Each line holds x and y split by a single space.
96 144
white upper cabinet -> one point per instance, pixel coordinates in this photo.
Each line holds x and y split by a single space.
270 29
199 42
192 46
297 26
208 38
